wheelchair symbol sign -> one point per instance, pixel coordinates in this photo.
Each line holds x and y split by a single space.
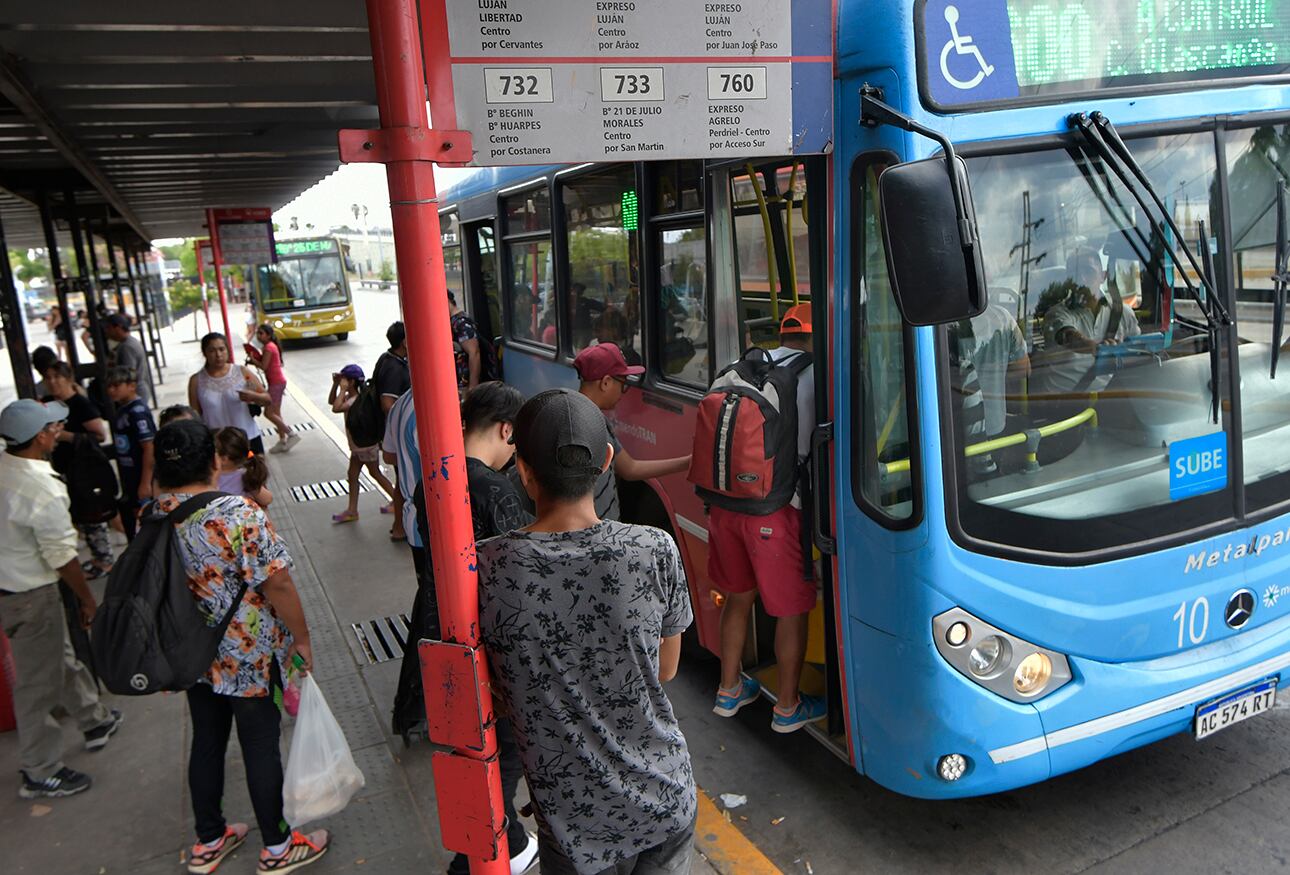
962 45
969 55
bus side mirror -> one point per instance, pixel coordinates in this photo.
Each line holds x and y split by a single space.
933 258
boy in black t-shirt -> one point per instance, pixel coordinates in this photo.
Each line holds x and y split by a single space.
135 430
392 378
488 414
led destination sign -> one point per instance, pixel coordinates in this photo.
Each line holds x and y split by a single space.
289 248
975 51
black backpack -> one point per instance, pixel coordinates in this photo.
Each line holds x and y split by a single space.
150 633
489 367
365 420
91 482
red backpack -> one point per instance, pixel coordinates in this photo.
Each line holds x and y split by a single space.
745 440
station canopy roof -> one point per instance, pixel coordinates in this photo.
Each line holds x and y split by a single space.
152 111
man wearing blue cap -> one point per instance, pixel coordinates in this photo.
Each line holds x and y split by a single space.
37 549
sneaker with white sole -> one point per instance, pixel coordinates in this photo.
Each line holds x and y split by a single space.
97 738
808 710
303 849
728 705
204 859
520 862
64 782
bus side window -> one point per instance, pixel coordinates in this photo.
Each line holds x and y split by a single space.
530 292
680 285
772 246
882 452
602 305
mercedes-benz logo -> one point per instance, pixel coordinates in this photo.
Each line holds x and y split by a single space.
1240 607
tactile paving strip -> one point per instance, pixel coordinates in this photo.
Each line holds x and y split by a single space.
327 489
382 639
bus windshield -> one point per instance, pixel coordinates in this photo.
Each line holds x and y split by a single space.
1091 357
302 283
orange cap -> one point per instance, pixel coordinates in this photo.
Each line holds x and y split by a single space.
797 320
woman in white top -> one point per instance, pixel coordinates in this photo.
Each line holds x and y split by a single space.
221 391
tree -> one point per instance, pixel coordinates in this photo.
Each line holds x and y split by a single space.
387 272
26 268
184 296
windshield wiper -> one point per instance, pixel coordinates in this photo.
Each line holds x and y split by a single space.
1280 278
1105 141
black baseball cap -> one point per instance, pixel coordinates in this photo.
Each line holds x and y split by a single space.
559 433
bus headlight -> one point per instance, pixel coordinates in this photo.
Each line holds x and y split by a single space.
277 323
987 656
1032 674
997 660
337 317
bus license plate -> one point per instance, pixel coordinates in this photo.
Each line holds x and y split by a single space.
309 334
1235 707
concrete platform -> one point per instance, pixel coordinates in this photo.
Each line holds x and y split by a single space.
136 818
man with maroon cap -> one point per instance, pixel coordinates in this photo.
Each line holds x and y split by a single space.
604 373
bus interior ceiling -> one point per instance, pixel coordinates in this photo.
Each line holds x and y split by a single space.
122 123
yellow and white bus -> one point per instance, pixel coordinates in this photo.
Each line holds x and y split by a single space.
306 293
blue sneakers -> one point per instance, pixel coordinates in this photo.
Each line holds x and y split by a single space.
808 710
728 706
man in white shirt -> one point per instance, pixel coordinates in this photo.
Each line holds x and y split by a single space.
1075 328
37 549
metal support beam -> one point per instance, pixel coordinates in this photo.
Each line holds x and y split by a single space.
89 286
15 336
14 86
58 278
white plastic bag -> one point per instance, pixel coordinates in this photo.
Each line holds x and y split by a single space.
321 774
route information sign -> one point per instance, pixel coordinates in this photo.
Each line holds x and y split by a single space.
544 81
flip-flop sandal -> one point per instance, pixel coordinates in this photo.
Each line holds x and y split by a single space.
345 517
397 538
387 508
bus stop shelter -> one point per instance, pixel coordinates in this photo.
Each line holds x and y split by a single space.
122 123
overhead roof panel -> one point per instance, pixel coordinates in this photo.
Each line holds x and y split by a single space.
161 109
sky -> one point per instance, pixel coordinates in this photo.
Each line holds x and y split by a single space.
330 202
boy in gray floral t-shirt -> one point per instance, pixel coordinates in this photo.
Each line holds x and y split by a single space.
582 621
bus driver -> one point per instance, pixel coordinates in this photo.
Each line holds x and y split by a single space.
1091 316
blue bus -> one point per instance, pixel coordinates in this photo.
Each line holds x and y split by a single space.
1047 261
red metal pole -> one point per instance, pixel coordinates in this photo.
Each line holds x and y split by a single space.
201 280
219 280
423 290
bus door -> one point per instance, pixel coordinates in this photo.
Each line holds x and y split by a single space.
778 242
483 301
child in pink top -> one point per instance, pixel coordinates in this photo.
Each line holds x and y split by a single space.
268 358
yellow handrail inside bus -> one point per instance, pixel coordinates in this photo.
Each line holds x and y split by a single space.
1089 415
788 235
771 273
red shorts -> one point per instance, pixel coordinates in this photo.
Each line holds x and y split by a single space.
763 553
